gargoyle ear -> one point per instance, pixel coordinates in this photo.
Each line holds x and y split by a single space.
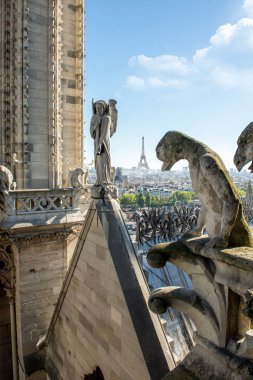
250 168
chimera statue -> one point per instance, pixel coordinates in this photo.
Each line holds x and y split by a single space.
244 152
221 210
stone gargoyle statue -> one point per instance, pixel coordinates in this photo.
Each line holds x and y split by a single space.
244 152
6 181
221 212
75 175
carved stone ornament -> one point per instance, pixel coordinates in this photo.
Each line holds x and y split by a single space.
98 192
42 237
187 301
7 268
248 308
75 176
5 262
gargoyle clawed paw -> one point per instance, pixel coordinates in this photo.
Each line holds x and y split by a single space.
191 233
217 242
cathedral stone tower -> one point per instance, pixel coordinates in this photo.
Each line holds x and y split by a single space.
41 90
41 139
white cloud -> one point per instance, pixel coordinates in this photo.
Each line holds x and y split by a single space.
248 7
227 61
161 63
134 82
224 34
168 83
227 33
138 83
233 78
200 54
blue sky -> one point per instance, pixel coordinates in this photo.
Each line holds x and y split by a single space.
182 65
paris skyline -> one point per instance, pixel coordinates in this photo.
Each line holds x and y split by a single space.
171 65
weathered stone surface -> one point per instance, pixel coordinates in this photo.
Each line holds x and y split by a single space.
46 40
220 305
221 210
101 318
244 152
39 286
102 127
210 363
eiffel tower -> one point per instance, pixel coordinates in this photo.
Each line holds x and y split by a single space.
143 162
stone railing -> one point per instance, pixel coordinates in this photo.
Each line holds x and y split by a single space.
30 207
30 201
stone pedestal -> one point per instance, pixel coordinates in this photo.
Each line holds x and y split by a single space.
101 192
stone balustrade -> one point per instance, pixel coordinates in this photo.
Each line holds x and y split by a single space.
30 201
44 207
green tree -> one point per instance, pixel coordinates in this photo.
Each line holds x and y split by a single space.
140 200
154 201
249 190
182 196
128 200
241 192
148 200
173 199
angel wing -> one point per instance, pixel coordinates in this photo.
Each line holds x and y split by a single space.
86 176
114 115
93 107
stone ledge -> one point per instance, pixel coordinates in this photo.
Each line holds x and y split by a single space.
241 257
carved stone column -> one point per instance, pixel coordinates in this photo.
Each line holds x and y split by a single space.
7 278
11 296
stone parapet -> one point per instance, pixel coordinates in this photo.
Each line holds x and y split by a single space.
44 207
29 201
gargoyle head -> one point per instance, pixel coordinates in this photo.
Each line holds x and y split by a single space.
244 152
170 149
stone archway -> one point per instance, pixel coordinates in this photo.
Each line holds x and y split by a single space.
5 337
95 375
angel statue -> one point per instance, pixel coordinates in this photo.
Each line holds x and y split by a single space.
103 125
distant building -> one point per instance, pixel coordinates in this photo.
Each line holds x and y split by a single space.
118 176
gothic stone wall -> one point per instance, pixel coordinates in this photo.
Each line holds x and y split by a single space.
5 337
41 90
41 268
